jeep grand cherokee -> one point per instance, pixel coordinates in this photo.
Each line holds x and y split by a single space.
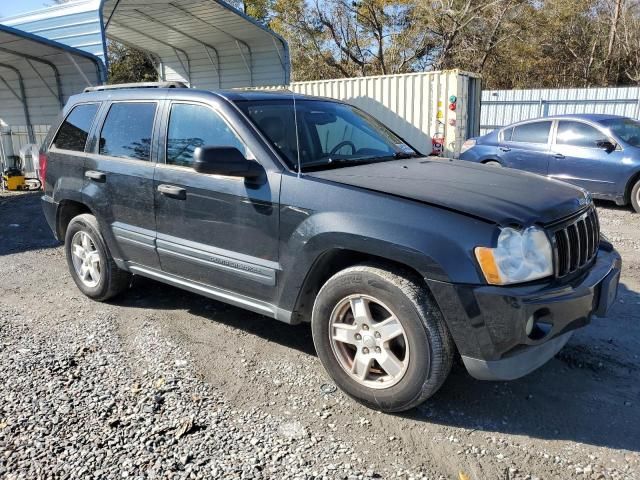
309 210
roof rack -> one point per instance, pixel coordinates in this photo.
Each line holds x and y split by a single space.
119 86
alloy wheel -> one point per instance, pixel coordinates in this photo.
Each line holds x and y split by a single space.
369 341
86 259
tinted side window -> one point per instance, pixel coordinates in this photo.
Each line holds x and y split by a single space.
537 132
578 134
127 131
192 126
75 129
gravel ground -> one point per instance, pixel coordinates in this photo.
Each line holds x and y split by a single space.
165 384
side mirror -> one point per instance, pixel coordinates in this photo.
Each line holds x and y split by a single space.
228 161
606 145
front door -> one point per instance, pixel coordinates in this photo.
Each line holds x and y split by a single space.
577 157
211 229
119 179
526 147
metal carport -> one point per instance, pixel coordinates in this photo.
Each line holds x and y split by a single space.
37 76
204 43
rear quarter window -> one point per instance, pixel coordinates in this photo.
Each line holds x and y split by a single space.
74 131
506 134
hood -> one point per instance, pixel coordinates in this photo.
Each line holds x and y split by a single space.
500 195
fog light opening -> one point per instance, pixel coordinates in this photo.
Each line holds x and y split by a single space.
539 324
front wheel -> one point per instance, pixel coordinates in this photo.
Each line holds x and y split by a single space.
635 197
493 163
90 262
381 337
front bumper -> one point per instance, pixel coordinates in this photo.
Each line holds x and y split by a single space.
489 324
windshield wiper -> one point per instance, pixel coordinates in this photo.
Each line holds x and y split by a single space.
337 163
352 162
402 155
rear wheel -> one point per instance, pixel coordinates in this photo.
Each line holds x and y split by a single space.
381 337
91 265
635 197
493 163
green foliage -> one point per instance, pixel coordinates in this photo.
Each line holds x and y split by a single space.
128 65
512 43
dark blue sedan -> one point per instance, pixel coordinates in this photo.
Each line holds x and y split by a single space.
600 153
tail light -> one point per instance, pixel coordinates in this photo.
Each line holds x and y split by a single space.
467 145
43 168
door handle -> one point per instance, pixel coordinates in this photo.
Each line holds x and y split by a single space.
173 191
505 149
558 156
95 176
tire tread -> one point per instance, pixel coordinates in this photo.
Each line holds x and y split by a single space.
442 344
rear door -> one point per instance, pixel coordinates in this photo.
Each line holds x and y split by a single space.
577 158
212 229
119 178
526 146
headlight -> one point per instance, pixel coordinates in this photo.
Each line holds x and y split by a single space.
520 256
467 145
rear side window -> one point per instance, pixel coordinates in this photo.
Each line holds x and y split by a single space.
578 134
537 132
127 131
192 126
74 130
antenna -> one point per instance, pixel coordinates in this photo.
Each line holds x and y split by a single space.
295 119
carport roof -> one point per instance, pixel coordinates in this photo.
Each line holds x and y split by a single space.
38 75
205 43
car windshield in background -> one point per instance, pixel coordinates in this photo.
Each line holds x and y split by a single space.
624 128
329 134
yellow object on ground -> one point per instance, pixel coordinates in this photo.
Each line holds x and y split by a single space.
15 182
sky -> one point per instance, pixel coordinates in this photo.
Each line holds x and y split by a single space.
9 8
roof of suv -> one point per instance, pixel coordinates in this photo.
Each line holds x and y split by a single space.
231 95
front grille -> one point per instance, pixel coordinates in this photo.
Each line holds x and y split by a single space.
576 243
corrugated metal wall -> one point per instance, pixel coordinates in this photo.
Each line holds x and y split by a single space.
502 107
414 105
77 25
12 139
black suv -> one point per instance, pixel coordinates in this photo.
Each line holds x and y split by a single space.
309 210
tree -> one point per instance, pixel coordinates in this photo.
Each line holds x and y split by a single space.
512 43
128 65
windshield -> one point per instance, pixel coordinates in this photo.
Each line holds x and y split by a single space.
625 129
331 134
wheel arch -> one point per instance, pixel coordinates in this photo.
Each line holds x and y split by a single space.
335 260
490 159
67 210
635 177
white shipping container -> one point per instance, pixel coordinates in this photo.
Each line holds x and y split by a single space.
414 105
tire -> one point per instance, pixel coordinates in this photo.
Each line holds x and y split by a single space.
635 197
493 163
428 347
103 279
